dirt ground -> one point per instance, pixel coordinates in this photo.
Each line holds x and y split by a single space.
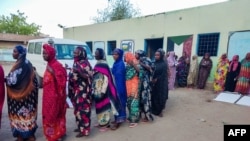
190 115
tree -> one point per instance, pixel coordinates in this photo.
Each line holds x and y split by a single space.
116 10
17 24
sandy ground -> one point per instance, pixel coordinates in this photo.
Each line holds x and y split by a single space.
190 115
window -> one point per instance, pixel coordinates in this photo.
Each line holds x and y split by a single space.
90 44
65 51
111 47
38 48
208 43
31 48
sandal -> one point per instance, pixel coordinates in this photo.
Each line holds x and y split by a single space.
103 129
115 126
144 120
80 135
132 125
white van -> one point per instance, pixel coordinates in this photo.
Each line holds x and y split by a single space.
64 53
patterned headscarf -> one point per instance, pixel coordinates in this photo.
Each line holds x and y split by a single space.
141 53
82 54
50 51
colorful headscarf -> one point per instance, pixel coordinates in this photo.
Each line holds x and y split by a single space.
82 55
51 53
141 53
130 57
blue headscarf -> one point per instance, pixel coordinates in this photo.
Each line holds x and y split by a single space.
21 50
120 53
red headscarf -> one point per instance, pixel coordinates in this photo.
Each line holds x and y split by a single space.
51 53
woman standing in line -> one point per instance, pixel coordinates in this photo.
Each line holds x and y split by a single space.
119 72
22 97
243 83
172 69
205 67
182 70
193 72
160 84
104 92
80 91
220 74
144 88
54 96
232 74
132 85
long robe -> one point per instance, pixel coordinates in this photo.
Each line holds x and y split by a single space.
145 89
205 67
182 72
80 95
220 75
172 69
231 78
119 72
193 72
243 83
22 98
104 93
132 85
2 91
54 102
160 88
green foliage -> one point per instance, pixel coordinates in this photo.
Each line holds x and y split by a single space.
116 10
16 24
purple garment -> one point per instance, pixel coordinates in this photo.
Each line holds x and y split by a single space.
172 69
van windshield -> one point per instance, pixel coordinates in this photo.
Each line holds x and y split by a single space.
65 51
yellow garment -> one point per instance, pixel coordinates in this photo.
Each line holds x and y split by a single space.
220 75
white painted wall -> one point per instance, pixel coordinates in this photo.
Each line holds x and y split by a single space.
223 17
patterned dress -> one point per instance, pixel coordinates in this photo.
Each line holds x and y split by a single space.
104 93
145 89
80 95
220 75
182 72
132 85
243 83
22 99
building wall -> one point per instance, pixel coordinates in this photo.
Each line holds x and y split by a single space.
221 18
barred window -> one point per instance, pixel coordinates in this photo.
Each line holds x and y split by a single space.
208 43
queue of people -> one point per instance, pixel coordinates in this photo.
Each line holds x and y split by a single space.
134 90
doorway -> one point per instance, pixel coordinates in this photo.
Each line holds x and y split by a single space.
151 46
